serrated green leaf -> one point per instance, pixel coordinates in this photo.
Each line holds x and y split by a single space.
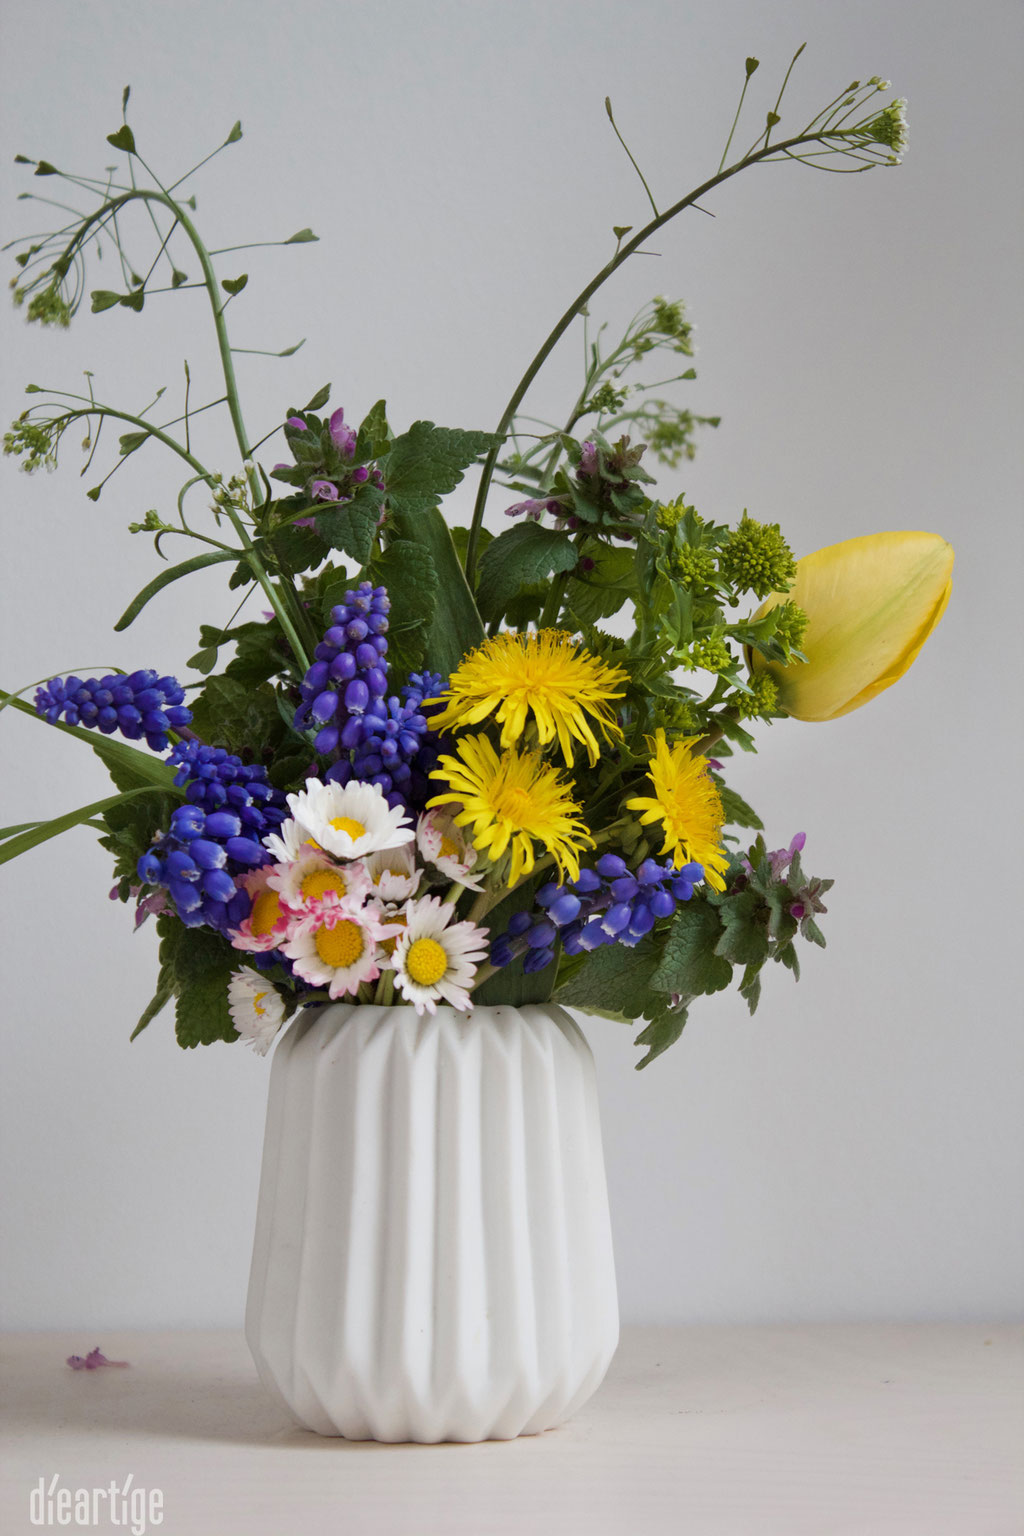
517 558
690 965
427 462
131 825
351 526
301 237
750 987
103 298
174 573
229 713
616 982
406 568
660 1034
744 939
234 285
123 139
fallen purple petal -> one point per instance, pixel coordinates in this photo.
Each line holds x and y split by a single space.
92 1361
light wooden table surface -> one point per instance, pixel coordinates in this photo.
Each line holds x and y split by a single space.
859 1429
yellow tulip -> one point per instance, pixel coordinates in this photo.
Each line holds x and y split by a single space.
871 603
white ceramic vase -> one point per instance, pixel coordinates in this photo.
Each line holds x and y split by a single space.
433 1255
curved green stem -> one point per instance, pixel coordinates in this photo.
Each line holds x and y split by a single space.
578 303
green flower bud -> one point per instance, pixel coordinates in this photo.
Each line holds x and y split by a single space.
693 567
709 654
757 558
762 702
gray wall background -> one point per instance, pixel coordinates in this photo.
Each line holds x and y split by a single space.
854 1151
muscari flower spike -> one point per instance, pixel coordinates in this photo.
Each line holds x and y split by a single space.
141 704
608 904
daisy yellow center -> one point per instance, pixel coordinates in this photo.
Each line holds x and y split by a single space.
257 1004
266 913
340 946
449 848
322 881
347 824
426 962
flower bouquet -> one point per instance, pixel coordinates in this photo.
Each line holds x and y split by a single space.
452 766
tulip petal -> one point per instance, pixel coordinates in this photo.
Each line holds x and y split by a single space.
871 602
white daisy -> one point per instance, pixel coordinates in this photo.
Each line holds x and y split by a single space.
290 841
339 946
442 843
257 1011
313 877
349 820
268 921
392 873
436 959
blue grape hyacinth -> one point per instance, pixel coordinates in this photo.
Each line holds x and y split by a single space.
609 904
139 704
395 748
349 671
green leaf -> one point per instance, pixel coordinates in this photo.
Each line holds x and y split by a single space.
744 938
750 987
19 826
660 1034
234 285
14 846
351 526
232 714
197 965
518 558
235 134
161 997
301 236
737 812
374 435
406 568
102 299
456 628
131 826
603 590
320 398
690 965
615 982
205 660
427 462
129 768
174 573
123 139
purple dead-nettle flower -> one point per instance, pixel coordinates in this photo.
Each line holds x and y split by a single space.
588 464
344 437
535 507
296 423
92 1361
323 490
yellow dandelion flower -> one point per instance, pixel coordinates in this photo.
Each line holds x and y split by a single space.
544 673
687 804
510 803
